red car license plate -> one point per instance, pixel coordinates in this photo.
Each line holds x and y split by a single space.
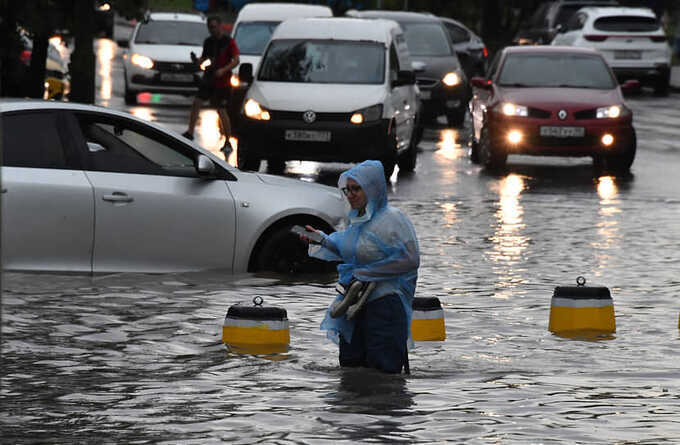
563 132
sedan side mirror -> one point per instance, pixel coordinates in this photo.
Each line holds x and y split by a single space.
205 166
245 72
404 78
479 82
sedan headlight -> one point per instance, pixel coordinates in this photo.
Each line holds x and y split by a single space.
451 79
254 111
368 114
141 61
205 64
613 112
510 109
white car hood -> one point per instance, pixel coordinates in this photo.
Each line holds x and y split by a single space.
292 182
167 53
327 98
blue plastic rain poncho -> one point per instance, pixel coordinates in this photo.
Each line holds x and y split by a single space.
379 246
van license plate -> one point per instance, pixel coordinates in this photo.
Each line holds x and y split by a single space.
563 132
308 135
177 77
627 54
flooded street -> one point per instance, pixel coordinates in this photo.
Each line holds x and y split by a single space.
137 358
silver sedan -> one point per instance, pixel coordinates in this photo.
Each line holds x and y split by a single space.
88 189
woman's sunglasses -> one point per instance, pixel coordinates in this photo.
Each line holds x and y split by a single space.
351 188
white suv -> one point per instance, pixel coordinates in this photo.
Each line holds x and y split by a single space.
631 40
158 59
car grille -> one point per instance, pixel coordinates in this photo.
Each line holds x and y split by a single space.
585 114
175 67
426 82
297 116
557 142
538 113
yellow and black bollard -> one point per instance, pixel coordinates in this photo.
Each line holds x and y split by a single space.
577 311
427 323
256 329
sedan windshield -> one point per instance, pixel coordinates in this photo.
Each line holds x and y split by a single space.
426 39
252 37
555 70
324 61
172 33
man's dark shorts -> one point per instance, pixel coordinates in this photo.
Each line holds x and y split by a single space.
218 97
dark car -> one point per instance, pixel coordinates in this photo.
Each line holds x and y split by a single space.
444 87
469 47
551 101
550 17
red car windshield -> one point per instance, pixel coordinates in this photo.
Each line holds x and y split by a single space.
555 70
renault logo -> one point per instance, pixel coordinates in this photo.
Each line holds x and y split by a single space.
562 114
309 116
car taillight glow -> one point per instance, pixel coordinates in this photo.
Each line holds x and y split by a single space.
485 52
658 38
607 140
595 38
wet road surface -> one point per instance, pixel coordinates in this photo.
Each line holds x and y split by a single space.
137 358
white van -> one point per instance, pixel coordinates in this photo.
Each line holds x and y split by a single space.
331 90
252 30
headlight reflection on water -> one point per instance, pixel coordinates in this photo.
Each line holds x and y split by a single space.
448 145
609 236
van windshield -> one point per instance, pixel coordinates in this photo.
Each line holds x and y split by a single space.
324 61
252 37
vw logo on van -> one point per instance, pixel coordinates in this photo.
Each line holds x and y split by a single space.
562 114
309 116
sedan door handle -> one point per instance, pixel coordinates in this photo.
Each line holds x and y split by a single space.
117 197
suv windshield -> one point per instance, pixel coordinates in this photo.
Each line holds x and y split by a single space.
324 61
252 37
426 39
172 32
625 23
555 70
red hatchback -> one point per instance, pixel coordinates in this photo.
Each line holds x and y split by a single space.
551 101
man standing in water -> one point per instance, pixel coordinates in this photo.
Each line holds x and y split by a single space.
223 54
370 318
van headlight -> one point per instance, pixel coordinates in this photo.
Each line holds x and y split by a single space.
253 110
368 114
205 64
142 61
510 109
612 112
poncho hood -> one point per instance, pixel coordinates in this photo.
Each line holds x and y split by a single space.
370 175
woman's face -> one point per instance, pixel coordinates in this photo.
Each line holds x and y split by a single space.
355 194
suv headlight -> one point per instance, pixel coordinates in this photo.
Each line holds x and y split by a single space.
613 112
253 110
510 109
141 61
368 114
451 79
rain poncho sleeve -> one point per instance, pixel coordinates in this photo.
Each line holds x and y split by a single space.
379 246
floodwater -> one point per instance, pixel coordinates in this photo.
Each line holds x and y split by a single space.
128 358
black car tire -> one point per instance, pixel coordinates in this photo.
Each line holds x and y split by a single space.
390 159
130 96
661 86
489 156
276 166
284 252
245 160
407 160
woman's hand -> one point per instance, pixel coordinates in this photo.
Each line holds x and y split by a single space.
306 238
